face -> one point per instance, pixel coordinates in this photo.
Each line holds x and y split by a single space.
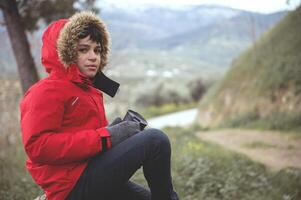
88 56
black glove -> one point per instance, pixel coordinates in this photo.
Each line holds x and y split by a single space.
136 117
122 130
115 121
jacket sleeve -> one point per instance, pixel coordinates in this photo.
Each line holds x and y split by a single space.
41 117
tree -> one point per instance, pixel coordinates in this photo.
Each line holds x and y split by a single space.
24 15
26 67
197 89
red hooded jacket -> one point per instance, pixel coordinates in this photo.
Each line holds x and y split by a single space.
62 122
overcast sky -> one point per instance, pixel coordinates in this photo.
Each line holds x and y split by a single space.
263 6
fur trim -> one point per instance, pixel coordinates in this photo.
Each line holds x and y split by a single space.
69 36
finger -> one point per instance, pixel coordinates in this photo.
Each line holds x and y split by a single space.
135 125
116 121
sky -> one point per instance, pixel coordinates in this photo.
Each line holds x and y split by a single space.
262 6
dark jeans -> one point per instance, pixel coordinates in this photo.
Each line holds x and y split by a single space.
107 175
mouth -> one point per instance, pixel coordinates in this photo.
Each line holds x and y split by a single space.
91 67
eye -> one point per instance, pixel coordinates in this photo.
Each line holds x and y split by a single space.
83 50
97 50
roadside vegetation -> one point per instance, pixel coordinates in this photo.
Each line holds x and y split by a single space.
280 121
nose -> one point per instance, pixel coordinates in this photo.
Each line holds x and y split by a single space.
92 55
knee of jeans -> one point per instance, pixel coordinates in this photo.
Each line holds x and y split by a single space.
157 136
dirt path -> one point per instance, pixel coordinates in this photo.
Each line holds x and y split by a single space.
275 150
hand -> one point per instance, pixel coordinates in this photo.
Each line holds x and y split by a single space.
122 130
115 121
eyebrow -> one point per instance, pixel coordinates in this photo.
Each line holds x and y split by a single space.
87 45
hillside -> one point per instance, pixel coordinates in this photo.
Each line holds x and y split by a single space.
263 84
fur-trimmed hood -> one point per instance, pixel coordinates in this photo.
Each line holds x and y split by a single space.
69 36
60 39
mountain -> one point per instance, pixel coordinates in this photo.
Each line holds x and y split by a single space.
162 22
192 40
263 83
195 40
219 42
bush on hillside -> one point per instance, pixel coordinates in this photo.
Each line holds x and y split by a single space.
172 92
282 121
164 93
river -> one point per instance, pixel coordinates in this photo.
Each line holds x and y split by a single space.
181 118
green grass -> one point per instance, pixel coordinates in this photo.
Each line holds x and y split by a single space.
280 121
273 62
206 171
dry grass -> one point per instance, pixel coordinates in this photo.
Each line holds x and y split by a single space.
15 182
10 94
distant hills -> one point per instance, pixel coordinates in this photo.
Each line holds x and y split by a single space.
263 83
196 40
187 41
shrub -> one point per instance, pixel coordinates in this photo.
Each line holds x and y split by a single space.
282 121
